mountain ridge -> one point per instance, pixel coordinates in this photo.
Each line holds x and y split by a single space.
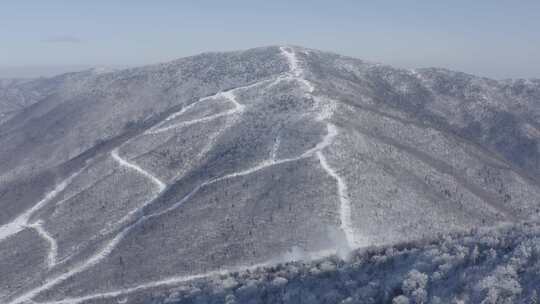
257 153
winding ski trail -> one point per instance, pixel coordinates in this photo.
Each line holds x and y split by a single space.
161 186
229 95
53 246
327 111
22 221
105 251
296 73
345 206
184 278
327 140
109 247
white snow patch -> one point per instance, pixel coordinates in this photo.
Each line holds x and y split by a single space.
327 109
53 246
105 251
292 60
229 95
21 222
192 122
186 278
280 79
294 68
345 203
121 161
332 132
309 86
155 180
184 109
275 148
14 227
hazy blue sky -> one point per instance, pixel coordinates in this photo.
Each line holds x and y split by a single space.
492 38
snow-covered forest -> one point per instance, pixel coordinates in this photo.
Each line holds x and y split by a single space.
491 266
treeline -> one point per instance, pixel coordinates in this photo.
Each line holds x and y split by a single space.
493 266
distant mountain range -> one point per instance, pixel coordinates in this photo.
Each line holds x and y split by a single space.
117 182
36 71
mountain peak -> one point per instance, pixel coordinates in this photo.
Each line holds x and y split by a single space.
237 159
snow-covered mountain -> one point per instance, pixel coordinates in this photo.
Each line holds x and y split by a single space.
118 182
491 266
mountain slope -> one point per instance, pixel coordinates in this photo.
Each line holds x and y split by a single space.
156 174
493 266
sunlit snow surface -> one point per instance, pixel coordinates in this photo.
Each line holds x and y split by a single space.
229 161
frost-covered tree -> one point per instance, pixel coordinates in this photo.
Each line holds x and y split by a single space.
414 286
401 299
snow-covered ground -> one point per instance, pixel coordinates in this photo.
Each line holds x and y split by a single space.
292 153
21 222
